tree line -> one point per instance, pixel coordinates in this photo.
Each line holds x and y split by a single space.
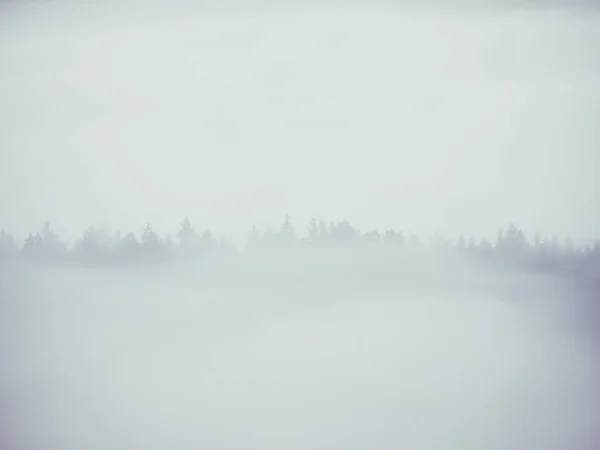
98 247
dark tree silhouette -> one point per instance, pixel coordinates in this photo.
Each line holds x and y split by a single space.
510 250
152 248
129 249
286 235
44 246
187 237
95 247
8 245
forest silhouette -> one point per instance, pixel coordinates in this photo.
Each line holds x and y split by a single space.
381 252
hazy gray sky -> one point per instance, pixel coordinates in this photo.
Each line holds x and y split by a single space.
419 120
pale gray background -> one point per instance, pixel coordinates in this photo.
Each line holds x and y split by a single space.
455 119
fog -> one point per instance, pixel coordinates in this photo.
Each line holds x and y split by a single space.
424 117
235 354
453 120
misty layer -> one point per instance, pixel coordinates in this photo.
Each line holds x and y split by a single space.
330 252
155 359
337 338
453 118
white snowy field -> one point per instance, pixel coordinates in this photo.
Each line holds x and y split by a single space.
99 361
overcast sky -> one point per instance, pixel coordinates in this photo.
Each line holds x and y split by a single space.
419 120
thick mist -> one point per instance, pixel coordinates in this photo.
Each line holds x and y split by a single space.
276 354
425 118
451 121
